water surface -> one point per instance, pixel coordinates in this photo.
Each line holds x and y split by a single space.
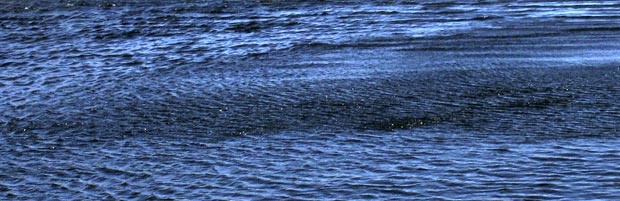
441 100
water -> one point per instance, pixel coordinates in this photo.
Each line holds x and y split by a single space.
310 100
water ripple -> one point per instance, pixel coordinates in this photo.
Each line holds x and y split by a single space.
307 100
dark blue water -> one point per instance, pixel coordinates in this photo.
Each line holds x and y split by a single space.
310 100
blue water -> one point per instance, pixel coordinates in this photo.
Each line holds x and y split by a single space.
309 100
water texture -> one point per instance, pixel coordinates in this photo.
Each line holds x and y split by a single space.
310 100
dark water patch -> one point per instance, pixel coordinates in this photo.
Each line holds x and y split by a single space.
487 17
518 35
375 43
120 34
595 29
542 103
405 123
249 27
12 63
408 2
435 5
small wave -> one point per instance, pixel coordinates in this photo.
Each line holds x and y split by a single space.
595 29
120 34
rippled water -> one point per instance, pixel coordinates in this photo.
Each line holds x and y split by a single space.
314 100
